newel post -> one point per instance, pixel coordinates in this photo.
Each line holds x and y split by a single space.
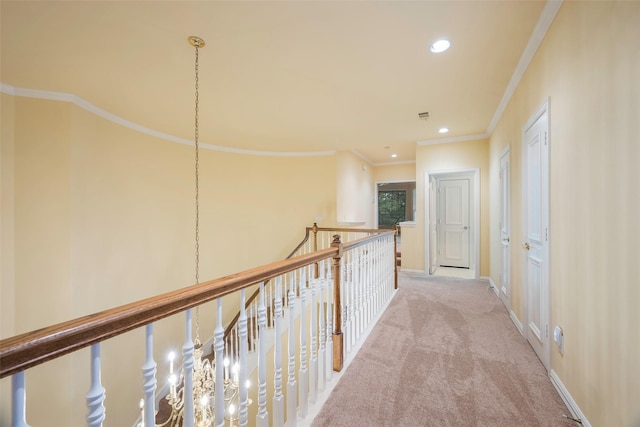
337 338
316 272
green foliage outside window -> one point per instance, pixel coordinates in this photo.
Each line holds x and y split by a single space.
392 207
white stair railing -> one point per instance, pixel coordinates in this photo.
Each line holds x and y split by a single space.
304 302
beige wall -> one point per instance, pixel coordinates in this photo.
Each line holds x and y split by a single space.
7 232
104 215
355 191
443 158
389 173
588 67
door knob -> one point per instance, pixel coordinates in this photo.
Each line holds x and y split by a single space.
526 246
506 239
465 227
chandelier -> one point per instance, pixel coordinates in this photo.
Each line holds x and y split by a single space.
203 391
204 369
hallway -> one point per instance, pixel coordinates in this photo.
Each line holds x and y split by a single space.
444 353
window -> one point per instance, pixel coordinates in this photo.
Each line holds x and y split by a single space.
392 207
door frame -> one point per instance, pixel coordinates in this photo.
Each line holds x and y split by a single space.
505 292
546 292
474 244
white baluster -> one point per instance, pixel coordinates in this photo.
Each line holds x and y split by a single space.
271 304
322 355
329 328
313 363
19 406
278 398
218 346
262 418
367 295
96 395
242 373
149 377
253 326
350 327
362 298
303 376
292 392
187 357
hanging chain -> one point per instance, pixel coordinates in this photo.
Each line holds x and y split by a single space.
197 43
197 176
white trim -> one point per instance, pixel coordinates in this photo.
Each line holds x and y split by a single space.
542 109
407 224
492 284
401 162
505 294
375 200
545 173
413 273
475 172
79 102
362 156
568 399
8 89
516 322
372 163
544 22
454 139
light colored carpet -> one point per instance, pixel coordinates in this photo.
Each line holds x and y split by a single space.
445 353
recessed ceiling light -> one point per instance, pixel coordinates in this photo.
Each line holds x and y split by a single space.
443 130
394 155
440 46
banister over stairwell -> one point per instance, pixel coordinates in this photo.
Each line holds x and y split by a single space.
347 281
30 349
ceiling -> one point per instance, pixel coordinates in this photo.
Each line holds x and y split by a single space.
295 76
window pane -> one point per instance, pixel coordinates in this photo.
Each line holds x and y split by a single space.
391 207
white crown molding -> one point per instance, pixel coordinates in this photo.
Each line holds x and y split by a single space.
453 139
79 102
372 163
363 157
8 89
544 22
401 162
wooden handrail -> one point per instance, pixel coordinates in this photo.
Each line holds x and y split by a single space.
254 295
34 348
30 349
315 229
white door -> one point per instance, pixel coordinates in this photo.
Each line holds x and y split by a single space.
505 229
453 223
536 224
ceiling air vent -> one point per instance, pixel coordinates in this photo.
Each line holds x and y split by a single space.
424 116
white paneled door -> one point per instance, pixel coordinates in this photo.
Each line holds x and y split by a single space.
536 244
453 223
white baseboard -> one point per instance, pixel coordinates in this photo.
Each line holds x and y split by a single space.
493 285
568 399
516 322
410 272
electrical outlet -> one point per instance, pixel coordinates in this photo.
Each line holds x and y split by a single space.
558 337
